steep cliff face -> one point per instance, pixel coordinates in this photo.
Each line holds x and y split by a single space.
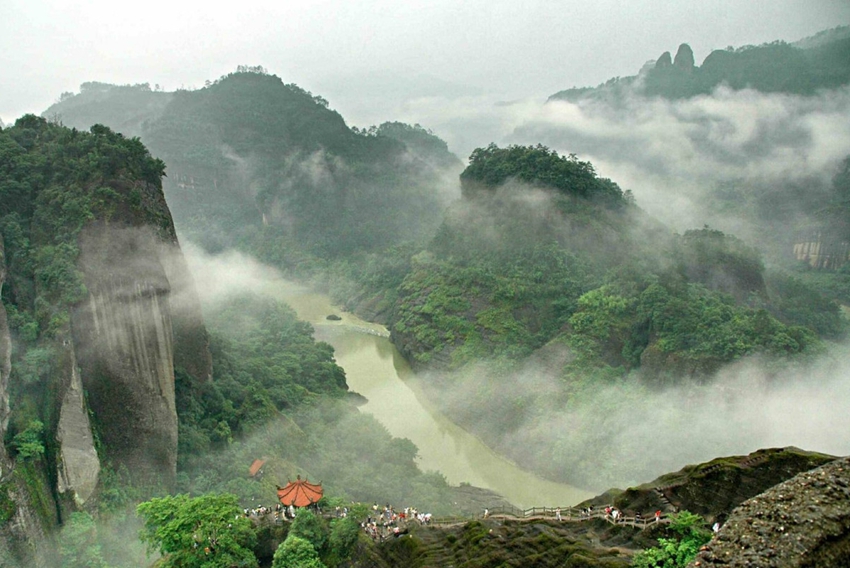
98 308
124 340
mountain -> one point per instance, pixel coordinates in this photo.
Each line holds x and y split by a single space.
98 309
249 154
548 294
536 296
112 387
802 68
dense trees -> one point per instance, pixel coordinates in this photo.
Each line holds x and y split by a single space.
492 166
690 533
207 531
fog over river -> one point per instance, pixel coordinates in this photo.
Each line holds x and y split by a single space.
376 370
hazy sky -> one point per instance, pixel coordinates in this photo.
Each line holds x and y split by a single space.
349 51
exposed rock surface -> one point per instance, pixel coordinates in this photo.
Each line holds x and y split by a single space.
713 489
123 335
803 522
78 464
664 61
684 59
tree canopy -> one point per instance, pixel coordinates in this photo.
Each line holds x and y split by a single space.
492 166
207 531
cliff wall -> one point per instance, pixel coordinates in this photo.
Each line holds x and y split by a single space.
803 522
124 342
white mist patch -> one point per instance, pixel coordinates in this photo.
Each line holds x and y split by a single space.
220 276
624 433
671 154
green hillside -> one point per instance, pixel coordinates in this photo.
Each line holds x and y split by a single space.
249 154
544 264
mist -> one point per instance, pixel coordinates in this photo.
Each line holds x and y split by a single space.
674 155
625 433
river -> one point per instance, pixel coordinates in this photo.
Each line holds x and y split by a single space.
376 370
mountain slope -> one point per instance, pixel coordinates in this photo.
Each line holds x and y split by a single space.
250 154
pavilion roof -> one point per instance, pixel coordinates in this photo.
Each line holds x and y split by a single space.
300 493
255 467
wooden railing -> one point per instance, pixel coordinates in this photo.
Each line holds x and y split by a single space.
568 514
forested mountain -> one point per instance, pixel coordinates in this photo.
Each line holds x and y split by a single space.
546 282
778 67
794 216
249 152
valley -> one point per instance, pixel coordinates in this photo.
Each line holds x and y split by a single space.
630 297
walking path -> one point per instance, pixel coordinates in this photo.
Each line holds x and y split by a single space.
567 514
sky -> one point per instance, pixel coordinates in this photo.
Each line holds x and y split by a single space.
367 57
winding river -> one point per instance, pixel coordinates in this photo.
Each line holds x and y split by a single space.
375 369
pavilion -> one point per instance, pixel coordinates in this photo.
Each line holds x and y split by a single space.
300 493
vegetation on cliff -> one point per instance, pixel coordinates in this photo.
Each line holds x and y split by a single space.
53 182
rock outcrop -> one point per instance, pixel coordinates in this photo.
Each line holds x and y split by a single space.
803 522
821 252
77 463
99 293
713 489
684 59
124 341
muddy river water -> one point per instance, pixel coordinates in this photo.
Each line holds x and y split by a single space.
376 370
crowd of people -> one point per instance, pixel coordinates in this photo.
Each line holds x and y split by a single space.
278 512
385 522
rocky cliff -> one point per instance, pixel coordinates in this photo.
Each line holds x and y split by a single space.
804 521
124 338
98 310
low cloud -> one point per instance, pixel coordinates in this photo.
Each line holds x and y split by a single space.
672 154
221 276
621 434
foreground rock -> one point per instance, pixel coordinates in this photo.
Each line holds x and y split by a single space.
713 489
803 522
540 543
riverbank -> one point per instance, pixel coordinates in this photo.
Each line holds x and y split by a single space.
376 370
